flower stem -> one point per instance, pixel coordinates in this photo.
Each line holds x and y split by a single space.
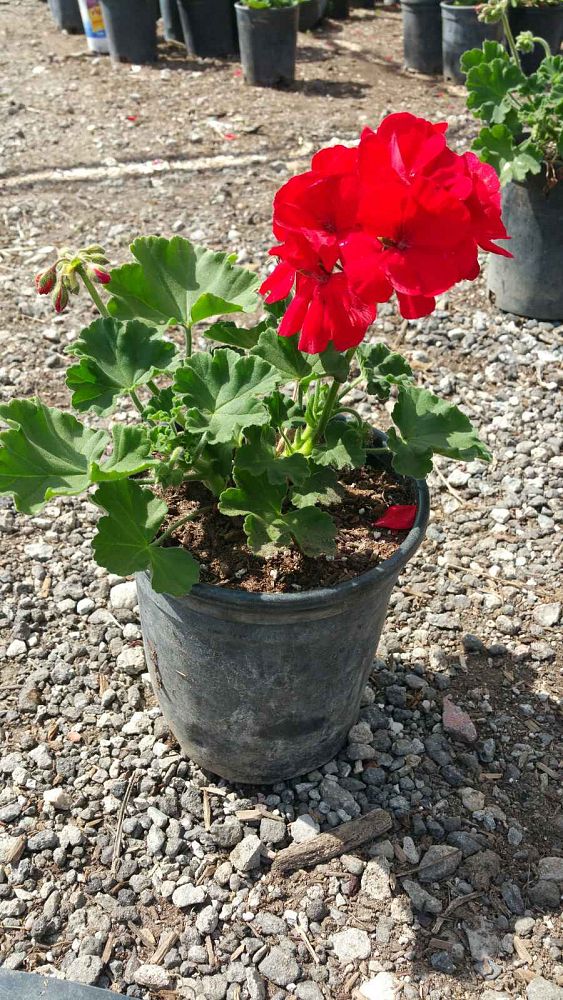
136 400
188 336
510 39
180 521
91 289
153 387
328 407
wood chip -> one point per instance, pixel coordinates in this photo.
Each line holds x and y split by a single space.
210 952
167 941
45 587
253 815
120 819
142 934
547 770
307 944
521 950
108 949
213 790
341 840
17 847
206 810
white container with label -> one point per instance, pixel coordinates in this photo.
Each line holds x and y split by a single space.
94 27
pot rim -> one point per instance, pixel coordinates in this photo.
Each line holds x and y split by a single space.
389 569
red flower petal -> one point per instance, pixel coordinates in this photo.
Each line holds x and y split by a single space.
399 517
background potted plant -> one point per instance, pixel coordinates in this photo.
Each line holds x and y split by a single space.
131 30
522 137
209 27
67 16
545 20
311 13
267 31
339 10
422 35
233 495
463 30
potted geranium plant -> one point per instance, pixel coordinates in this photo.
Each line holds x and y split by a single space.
462 29
248 495
522 137
267 31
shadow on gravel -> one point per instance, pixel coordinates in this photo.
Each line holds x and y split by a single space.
340 89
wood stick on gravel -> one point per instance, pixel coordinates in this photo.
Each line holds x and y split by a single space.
331 845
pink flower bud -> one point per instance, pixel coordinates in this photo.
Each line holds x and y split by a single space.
100 275
45 282
60 297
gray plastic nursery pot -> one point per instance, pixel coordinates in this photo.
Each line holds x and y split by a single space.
171 21
209 27
422 35
259 688
544 21
462 30
530 284
67 16
268 44
310 13
131 30
22 986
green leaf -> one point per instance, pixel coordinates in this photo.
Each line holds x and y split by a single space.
382 368
222 392
283 353
343 448
491 77
130 455
330 362
266 526
428 426
511 161
115 358
259 457
321 486
124 541
177 282
227 332
45 453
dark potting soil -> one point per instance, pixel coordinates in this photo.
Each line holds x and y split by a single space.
219 543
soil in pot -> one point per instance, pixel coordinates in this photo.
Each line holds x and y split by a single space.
171 21
530 284
208 27
461 30
422 35
67 16
543 21
268 44
262 686
131 30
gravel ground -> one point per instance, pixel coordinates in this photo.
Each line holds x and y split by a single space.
458 731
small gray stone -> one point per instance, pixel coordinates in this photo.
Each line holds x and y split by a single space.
272 832
304 828
338 797
376 879
153 977
308 991
280 967
132 661
541 989
472 800
189 895
255 985
207 920
124 595
551 869
547 614
351 945
246 855
156 840
215 987
545 894
85 969
513 898
439 863
269 923
422 900
384 986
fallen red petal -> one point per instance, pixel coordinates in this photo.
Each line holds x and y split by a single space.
399 517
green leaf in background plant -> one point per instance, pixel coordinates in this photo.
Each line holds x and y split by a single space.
115 358
282 409
491 77
382 368
321 486
45 453
429 425
259 457
260 503
284 354
222 392
177 282
343 447
130 455
124 540
512 162
330 362
228 333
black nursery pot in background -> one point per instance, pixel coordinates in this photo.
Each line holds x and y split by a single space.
171 21
268 44
262 687
310 13
209 27
530 284
67 17
131 30
422 35
339 9
545 22
461 30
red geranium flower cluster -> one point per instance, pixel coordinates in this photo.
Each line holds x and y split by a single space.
400 212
